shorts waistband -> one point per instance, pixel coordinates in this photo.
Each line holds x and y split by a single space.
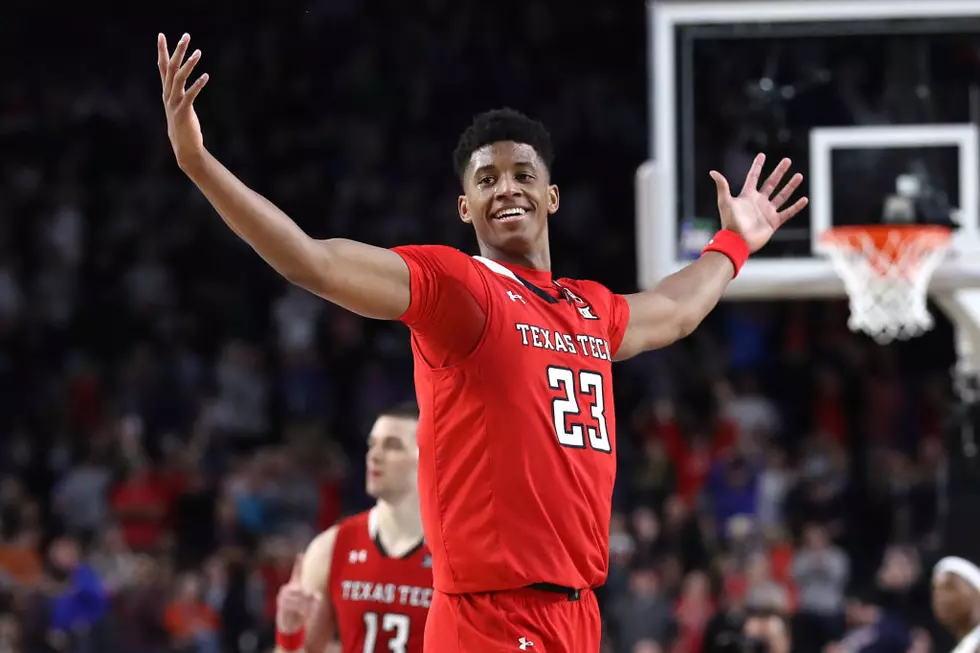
570 593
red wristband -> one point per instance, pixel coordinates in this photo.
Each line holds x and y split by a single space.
731 245
290 642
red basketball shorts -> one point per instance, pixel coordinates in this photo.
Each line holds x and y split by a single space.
514 620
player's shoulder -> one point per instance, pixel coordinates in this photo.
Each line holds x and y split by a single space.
588 292
433 254
318 558
584 285
357 524
323 544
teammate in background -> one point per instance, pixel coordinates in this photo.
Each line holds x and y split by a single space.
956 601
513 368
368 579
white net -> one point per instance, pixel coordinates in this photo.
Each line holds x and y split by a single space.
886 275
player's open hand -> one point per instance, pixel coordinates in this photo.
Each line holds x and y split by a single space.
295 605
755 214
183 126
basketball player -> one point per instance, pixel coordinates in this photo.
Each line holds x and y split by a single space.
513 368
956 601
375 566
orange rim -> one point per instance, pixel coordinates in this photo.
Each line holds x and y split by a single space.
929 237
881 235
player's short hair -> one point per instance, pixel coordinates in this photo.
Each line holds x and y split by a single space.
502 125
404 410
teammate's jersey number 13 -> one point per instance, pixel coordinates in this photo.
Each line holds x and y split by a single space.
579 390
396 626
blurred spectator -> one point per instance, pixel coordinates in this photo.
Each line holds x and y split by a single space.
819 497
733 489
755 416
821 571
139 608
192 624
243 394
644 614
871 629
20 560
112 559
141 505
768 631
79 602
683 535
80 500
776 478
693 611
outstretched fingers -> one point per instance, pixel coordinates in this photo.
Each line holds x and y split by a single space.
787 191
721 184
195 88
180 79
752 178
297 569
173 64
772 181
163 56
174 72
786 214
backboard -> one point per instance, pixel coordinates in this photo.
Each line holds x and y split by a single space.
858 94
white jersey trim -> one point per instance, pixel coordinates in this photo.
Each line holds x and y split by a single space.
970 643
493 266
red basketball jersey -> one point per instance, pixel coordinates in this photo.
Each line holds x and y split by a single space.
379 602
517 437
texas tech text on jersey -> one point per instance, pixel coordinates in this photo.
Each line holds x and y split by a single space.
556 341
380 602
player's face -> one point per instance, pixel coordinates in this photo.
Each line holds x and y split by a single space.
392 458
952 599
507 196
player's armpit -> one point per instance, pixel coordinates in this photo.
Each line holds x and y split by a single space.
368 280
320 630
676 307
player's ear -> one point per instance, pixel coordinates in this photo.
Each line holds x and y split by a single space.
463 206
552 199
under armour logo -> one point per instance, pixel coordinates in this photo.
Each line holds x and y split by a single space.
357 556
514 297
525 643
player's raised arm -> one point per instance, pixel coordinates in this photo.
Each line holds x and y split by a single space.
371 281
678 304
304 618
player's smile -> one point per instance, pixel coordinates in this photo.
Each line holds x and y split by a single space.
511 213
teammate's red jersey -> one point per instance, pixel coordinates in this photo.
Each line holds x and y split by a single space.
517 433
379 603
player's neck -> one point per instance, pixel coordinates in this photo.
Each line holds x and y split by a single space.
399 523
538 259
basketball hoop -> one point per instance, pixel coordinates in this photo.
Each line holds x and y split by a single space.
886 271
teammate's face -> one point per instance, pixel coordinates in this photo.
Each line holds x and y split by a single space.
392 458
953 599
507 197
